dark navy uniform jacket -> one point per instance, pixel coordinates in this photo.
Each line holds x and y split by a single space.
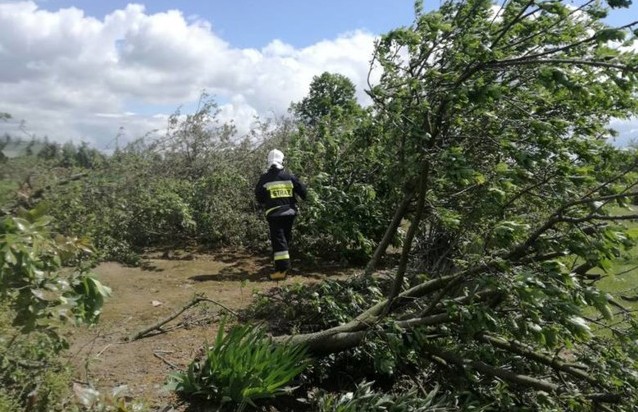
276 191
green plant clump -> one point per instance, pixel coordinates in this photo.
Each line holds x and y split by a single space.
243 366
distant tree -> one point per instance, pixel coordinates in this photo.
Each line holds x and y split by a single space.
3 157
28 151
69 155
50 151
333 134
330 94
195 143
87 157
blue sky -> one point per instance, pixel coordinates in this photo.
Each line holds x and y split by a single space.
254 23
85 70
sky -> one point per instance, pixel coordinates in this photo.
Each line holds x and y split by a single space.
111 71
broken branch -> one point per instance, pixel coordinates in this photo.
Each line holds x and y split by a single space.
158 325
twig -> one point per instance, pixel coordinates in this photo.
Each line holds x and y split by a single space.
158 325
186 323
163 359
103 350
205 299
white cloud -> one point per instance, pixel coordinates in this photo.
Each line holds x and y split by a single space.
70 76
627 131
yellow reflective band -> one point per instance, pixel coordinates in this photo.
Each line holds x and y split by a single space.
279 189
271 209
287 183
282 255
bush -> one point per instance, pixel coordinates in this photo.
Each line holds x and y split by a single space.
243 366
38 294
141 200
31 377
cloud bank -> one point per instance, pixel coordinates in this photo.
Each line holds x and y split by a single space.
74 77
70 76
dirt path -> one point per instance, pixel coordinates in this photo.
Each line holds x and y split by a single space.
142 297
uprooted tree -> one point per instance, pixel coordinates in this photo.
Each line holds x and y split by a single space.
500 118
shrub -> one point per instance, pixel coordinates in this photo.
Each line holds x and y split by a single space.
36 297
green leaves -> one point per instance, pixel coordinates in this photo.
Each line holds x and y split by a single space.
365 398
554 7
508 232
31 282
242 367
344 212
619 3
305 308
610 35
40 291
331 97
89 298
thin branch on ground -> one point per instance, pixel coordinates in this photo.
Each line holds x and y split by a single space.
166 361
158 325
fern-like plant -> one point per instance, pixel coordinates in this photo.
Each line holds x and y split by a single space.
243 365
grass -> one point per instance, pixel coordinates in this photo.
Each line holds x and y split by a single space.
622 278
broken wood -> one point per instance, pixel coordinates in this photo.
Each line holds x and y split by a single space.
158 325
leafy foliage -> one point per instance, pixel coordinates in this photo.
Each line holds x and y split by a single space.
195 185
364 398
299 308
31 375
37 296
386 351
30 278
349 204
499 116
242 367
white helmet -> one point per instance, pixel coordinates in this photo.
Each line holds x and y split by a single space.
276 158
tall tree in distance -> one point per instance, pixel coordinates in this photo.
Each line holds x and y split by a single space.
330 95
334 132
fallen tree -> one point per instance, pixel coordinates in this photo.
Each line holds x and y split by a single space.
500 115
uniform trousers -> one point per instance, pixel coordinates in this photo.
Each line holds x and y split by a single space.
281 238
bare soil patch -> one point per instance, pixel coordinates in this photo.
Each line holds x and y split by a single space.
144 296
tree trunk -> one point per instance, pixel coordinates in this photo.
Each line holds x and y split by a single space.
389 234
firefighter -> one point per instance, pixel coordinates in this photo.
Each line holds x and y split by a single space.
276 193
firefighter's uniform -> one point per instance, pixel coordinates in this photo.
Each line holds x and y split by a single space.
276 192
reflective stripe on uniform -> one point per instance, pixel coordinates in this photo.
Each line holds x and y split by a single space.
282 255
279 188
271 209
